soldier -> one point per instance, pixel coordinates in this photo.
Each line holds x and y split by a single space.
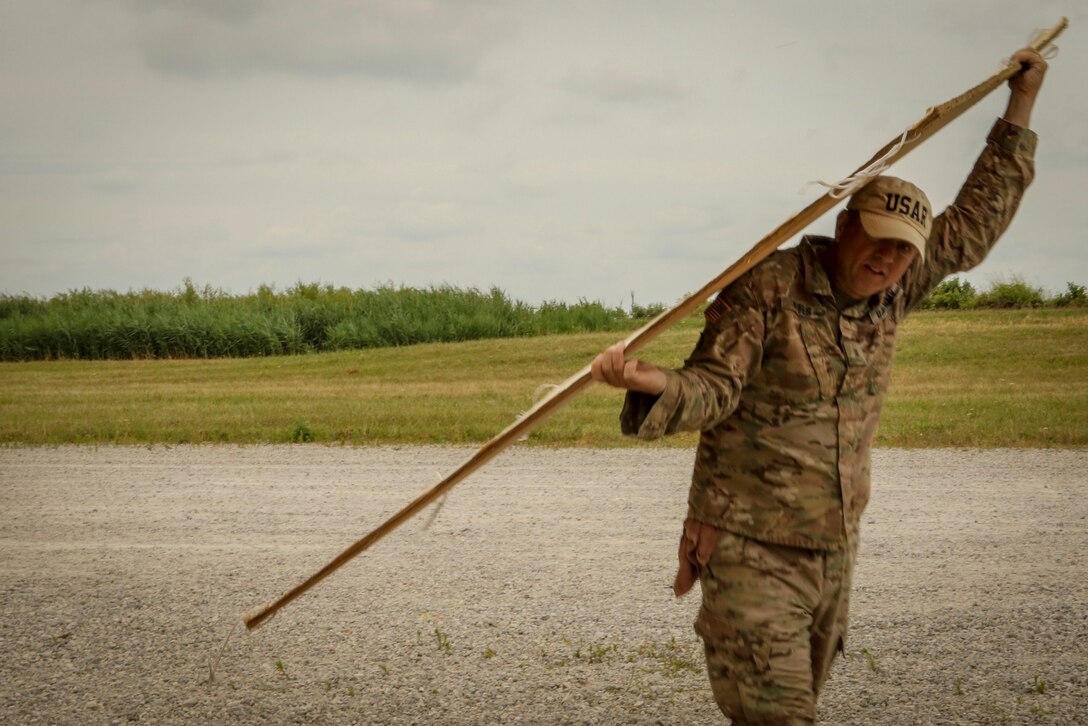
786 385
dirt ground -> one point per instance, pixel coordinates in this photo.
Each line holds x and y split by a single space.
538 595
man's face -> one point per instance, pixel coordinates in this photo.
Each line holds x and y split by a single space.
860 265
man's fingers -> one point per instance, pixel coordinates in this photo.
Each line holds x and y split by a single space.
613 368
595 371
604 366
615 364
1032 69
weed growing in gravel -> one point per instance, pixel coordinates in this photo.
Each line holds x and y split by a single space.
279 667
598 653
671 656
1039 686
959 686
550 664
489 654
587 652
871 659
594 653
443 641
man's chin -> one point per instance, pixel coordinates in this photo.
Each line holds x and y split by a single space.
874 285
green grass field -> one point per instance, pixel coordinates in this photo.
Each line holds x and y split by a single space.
964 379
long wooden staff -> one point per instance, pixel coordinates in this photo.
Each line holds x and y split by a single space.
934 119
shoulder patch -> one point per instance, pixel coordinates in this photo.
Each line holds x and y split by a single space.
717 309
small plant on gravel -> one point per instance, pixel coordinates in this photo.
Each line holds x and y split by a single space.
1039 685
552 665
489 654
279 667
959 686
443 641
871 659
593 653
670 656
598 653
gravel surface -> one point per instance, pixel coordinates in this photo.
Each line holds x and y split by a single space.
540 594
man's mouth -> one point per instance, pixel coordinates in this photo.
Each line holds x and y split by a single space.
874 271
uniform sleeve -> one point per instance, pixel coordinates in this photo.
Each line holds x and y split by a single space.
965 232
706 390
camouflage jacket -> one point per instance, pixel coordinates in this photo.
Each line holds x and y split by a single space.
787 390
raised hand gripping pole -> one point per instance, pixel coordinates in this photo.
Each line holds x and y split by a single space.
934 120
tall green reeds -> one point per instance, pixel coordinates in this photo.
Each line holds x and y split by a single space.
193 322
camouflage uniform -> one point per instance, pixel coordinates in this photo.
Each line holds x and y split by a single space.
787 390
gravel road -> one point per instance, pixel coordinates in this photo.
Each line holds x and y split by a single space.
538 595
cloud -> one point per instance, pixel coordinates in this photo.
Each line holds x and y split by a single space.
624 85
117 179
231 11
420 41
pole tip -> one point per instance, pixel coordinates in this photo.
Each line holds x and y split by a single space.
256 618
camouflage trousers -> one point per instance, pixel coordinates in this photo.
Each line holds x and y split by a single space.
772 620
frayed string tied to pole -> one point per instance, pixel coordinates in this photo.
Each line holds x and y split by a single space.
848 185
1049 51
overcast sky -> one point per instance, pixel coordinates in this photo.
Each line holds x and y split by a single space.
557 150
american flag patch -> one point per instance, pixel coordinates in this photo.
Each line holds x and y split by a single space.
716 310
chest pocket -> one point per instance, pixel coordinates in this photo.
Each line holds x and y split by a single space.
868 346
821 360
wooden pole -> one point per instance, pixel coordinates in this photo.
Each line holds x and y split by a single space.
935 119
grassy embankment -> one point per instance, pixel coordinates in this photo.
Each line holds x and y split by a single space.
972 379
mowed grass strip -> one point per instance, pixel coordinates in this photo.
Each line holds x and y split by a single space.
962 379
990 379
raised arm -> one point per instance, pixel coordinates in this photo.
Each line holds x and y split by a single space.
965 232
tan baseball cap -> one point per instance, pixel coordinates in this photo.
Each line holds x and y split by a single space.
891 208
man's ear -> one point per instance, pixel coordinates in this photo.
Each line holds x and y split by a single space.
840 223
